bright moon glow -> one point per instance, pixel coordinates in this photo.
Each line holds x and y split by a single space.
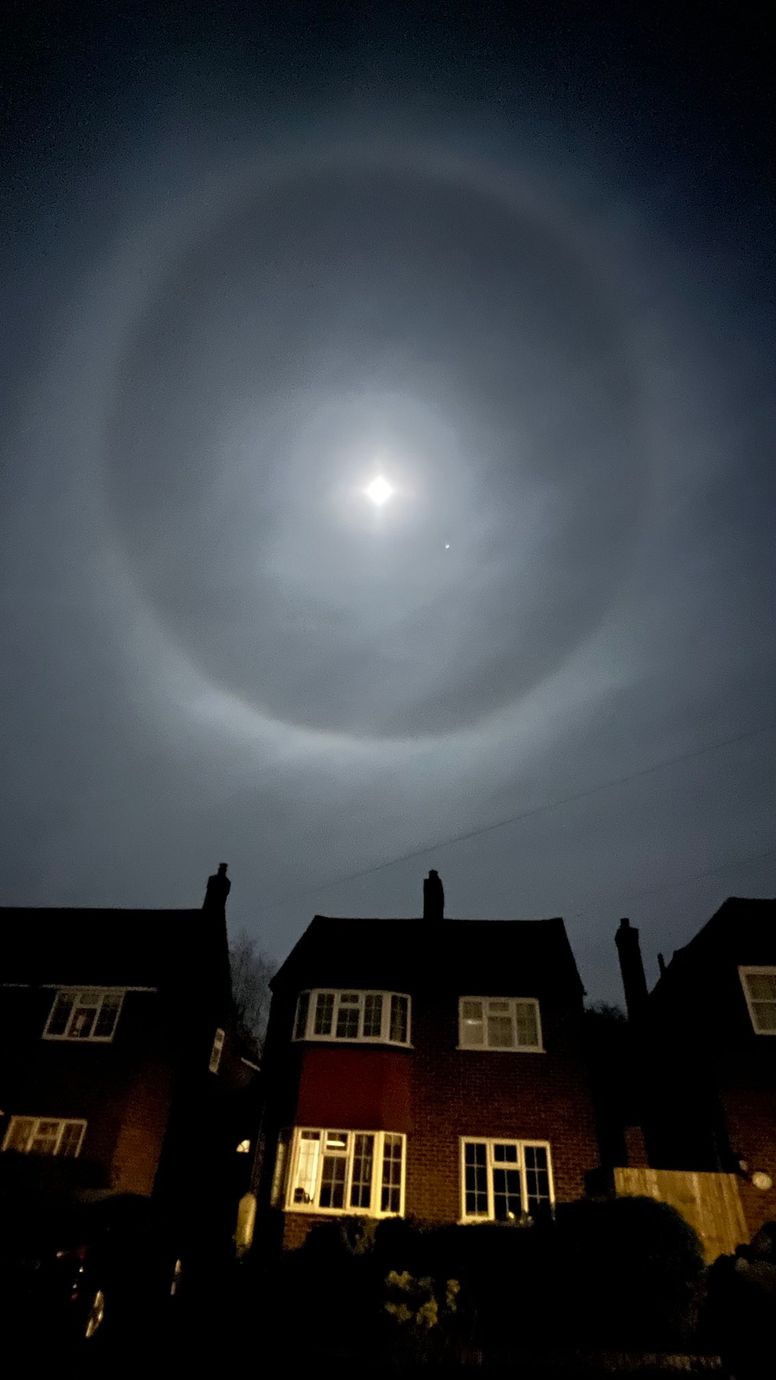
379 491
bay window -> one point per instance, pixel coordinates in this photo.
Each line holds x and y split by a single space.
346 1171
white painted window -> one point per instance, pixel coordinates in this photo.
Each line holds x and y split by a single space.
760 990
217 1050
346 1171
38 1135
88 1013
371 1017
504 1180
504 1023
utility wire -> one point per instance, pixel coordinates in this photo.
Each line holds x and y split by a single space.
670 886
528 814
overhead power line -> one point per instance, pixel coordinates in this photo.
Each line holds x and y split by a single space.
531 813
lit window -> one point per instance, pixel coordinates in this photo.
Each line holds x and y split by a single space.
505 1180
760 990
510 1023
345 1171
36 1135
216 1051
88 1014
382 1017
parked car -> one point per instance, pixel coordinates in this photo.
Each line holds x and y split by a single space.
85 1266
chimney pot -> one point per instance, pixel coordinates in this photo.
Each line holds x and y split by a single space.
661 963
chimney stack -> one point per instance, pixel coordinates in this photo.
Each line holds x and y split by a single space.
433 897
632 969
218 888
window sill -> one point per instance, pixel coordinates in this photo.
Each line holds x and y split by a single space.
363 1044
496 1049
313 1211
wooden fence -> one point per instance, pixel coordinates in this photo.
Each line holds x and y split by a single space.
709 1202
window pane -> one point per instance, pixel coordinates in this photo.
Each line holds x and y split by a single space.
764 1013
390 1199
105 1023
476 1179
762 986
507 1199
506 1152
347 1019
302 1009
60 1013
82 1024
332 1193
500 1032
19 1135
70 1142
399 1019
324 1013
537 1176
363 1165
527 1024
472 1025
45 1138
307 1167
373 1015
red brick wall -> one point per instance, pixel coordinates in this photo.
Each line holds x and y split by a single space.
751 1123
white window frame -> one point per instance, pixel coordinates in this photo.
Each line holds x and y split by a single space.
485 1048
85 996
374 1209
521 1145
384 1037
62 1122
217 1050
755 970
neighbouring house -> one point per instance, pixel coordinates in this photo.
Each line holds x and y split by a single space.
426 1067
704 1066
121 1050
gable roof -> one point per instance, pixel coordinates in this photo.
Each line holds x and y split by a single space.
111 947
742 930
476 956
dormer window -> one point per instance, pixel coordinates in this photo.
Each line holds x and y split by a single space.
356 1016
760 991
84 1014
502 1023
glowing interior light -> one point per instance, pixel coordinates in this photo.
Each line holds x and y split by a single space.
379 491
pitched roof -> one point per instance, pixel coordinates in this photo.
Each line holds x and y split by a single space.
104 946
515 956
742 930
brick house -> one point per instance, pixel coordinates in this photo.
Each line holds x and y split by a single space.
120 1047
705 1051
429 1068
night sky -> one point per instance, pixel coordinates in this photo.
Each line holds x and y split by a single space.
517 260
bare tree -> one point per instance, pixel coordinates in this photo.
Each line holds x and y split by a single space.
251 973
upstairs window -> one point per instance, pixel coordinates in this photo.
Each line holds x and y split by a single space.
347 1171
507 1023
366 1017
760 990
216 1051
85 1014
37 1135
505 1180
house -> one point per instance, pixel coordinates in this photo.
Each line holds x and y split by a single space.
425 1067
705 1059
120 1047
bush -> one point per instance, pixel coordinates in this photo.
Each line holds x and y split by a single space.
619 1274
